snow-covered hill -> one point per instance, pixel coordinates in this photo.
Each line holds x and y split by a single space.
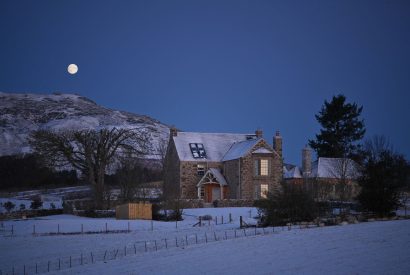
22 113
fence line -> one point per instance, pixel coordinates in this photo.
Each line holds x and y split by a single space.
136 248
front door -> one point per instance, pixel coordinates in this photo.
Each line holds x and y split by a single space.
216 193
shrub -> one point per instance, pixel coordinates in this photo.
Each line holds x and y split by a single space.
9 206
291 204
22 206
36 203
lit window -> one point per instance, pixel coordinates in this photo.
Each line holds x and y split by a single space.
197 150
261 167
264 191
264 167
200 169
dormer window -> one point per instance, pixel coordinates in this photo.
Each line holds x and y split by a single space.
197 150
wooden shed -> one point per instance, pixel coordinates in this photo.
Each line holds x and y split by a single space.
133 211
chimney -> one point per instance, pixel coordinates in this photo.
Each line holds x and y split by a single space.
277 143
259 133
306 161
173 132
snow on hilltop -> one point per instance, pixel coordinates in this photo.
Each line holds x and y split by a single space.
21 114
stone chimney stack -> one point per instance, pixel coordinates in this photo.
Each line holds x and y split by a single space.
173 132
259 133
277 143
306 161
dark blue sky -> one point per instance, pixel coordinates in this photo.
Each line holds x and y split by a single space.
218 66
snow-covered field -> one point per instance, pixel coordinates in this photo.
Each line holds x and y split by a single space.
366 248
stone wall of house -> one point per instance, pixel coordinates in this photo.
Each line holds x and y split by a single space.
231 173
171 172
250 183
190 178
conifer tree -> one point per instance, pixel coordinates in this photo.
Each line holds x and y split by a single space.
342 129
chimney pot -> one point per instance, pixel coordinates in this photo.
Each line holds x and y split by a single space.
173 131
258 133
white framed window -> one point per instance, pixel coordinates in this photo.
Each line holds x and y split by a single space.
261 167
200 168
202 192
264 191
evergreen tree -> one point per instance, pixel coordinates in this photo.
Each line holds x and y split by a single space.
341 130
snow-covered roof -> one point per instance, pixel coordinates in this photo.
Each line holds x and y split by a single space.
334 168
213 172
262 151
291 172
240 149
216 145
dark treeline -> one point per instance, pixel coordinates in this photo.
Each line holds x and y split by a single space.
27 171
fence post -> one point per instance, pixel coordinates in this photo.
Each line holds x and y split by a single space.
235 233
244 232
155 242
230 217
166 243
82 229
36 269
200 221
176 224
135 249
216 220
48 266
34 229
125 250
215 236
145 246
81 258
129 229
59 264
222 219
70 260
255 231
92 258
186 240
106 228
206 238
152 225
240 221
226 236
24 269
196 238
12 230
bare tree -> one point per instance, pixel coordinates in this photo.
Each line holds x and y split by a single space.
92 152
343 171
161 150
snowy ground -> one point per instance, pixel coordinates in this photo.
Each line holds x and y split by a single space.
376 247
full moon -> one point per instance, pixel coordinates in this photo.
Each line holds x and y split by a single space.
72 69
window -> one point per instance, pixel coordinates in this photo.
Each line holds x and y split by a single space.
197 150
264 167
200 168
261 167
202 192
264 191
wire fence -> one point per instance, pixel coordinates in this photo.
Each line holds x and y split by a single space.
136 248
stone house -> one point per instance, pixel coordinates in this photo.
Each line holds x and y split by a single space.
218 166
329 178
